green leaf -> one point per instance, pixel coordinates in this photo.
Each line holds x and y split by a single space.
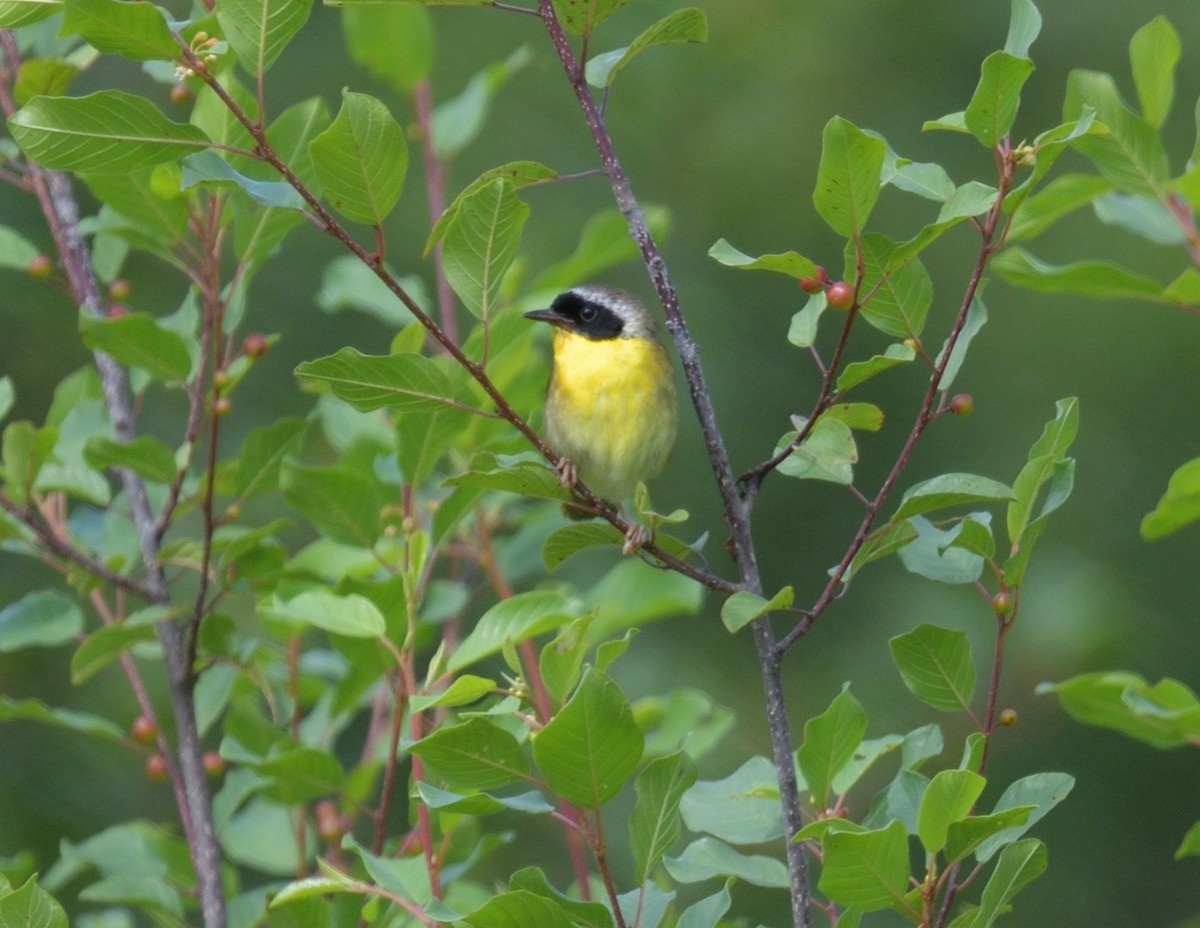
459 121
1018 866
26 451
530 803
1190 847
830 740
462 692
742 808
993 107
858 371
476 754
210 169
885 540
337 500
1154 52
45 618
135 30
312 887
518 173
592 746
582 16
405 381
347 283
848 176
481 242
108 132
1165 715
936 666
30 906
526 476
257 467
706 858
1088 278
1047 464
1123 145
948 799
1057 199
654 825
828 452
866 870
394 42
966 835
259 30
352 615
16 252
519 909
563 542
512 621
865 756
1025 22
743 607
901 297
361 159
139 341
1043 791
582 914
949 490
678 28
42 76
15 13
31 710
1140 215
1179 505
977 317
144 455
109 642
802 332
789 262
707 912
7 396
603 243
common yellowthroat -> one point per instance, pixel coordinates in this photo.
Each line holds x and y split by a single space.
610 405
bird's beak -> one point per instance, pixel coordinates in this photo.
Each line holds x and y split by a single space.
545 315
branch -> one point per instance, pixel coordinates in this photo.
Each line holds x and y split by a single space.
57 200
927 411
737 511
332 227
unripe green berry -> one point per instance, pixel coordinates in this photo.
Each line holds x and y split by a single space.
1002 603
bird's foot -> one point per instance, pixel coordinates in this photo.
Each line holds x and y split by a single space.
636 537
568 475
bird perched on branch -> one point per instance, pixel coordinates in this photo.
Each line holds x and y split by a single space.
610 405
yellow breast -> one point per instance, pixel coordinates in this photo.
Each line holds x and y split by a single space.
611 409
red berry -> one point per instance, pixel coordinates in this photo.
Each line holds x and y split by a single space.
180 94
119 289
143 729
41 267
116 310
255 345
840 295
214 764
962 404
1002 603
156 768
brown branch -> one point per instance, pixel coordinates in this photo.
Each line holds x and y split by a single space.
737 511
61 211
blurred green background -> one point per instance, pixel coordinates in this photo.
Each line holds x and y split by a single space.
728 136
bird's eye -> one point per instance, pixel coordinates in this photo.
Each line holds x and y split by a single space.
587 312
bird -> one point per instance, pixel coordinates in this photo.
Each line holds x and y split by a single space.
611 411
